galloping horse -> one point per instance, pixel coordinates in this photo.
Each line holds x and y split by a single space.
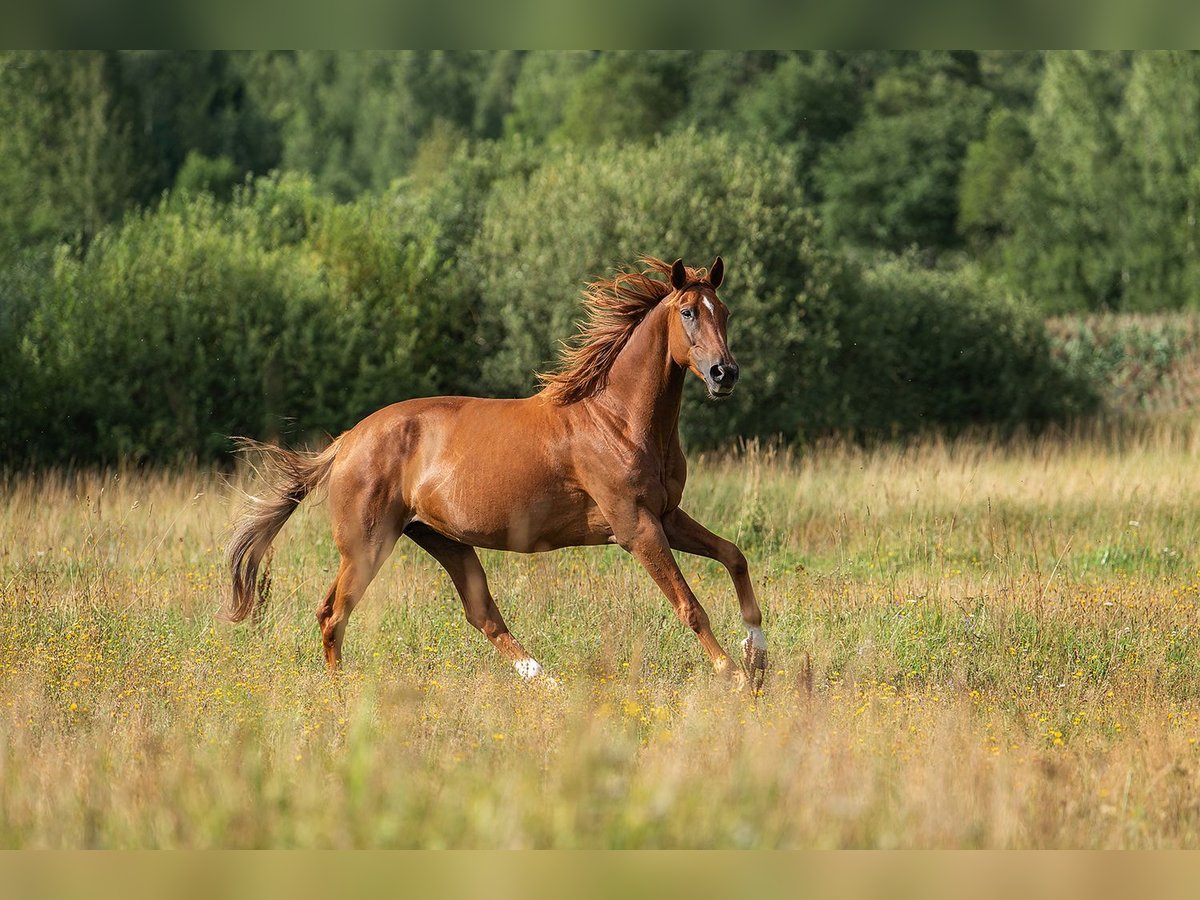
593 458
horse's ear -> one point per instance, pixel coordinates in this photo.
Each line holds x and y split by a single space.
717 273
678 275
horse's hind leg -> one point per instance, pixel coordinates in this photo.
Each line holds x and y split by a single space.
462 563
360 563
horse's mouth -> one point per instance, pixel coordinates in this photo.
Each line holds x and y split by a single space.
715 392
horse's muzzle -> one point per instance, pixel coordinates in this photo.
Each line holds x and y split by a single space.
721 378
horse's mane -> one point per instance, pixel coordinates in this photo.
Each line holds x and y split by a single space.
613 307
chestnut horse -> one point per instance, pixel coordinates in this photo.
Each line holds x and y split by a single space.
594 458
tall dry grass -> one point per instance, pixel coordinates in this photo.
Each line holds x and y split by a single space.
972 645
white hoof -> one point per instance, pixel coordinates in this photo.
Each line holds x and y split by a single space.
754 660
531 671
528 668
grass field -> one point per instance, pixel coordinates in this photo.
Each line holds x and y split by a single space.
972 646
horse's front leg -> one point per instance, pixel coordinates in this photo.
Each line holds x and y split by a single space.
689 536
644 538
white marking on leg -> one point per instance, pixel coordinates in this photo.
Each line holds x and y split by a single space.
528 668
756 638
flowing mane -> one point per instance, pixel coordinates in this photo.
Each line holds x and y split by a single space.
614 307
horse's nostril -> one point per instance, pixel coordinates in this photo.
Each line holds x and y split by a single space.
724 373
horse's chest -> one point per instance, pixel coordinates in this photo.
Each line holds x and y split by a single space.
673 483
666 479
675 477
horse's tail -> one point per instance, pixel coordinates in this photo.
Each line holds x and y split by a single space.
291 477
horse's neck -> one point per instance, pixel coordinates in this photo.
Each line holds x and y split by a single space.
646 387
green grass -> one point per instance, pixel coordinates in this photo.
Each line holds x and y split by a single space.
972 645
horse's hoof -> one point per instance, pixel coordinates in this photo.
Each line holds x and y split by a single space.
754 665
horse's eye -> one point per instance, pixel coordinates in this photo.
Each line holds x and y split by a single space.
687 313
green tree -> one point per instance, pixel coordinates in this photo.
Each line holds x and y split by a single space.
69 160
494 101
624 97
1159 127
200 173
990 179
543 85
1012 76
345 117
355 120
1067 218
809 99
892 182
197 103
719 83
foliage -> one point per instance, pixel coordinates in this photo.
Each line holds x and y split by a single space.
893 181
924 348
197 320
68 155
808 102
356 120
284 311
456 199
545 82
1066 244
622 97
1158 126
25 410
991 179
1135 362
200 173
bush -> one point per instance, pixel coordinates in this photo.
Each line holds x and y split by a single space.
23 409
280 311
924 349
1136 362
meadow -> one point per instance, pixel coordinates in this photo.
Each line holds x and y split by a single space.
973 644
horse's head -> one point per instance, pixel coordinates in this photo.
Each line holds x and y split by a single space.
697 328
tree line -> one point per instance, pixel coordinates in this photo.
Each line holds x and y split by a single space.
240 237
1070 174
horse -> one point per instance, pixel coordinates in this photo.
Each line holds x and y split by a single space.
593 458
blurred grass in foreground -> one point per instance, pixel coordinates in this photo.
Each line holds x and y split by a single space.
1002 642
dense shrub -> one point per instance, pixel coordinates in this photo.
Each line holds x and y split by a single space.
23 409
924 349
1135 362
199 320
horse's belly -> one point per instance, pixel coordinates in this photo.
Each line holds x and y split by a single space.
504 516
